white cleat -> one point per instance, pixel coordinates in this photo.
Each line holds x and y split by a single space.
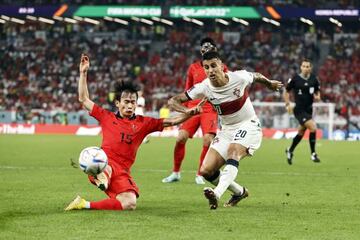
173 177
199 180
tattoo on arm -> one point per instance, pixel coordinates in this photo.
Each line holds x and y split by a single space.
258 77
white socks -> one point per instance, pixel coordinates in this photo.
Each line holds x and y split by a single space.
227 177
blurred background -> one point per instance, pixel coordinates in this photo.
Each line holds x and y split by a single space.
153 43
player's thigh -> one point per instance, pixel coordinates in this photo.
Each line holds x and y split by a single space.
310 124
237 151
302 116
191 125
213 161
209 123
249 136
127 199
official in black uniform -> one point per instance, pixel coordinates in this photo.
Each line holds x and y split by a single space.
306 88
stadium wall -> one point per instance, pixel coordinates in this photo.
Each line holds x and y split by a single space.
94 130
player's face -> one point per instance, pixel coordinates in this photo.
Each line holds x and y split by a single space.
214 69
305 68
127 104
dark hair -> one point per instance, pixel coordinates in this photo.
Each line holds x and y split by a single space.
125 86
306 60
210 55
207 40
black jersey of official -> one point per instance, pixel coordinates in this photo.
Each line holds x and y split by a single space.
303 90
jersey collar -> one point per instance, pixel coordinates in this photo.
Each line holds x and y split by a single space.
117 114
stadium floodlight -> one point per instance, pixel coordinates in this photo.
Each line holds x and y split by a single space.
162 20
168 22
156 19
31 17
109 18
45 20
70 20
307 21
200 23
78 18
58 18
222 21
276 23
16 20
93 21
242 21
335 21
2 21
146 21
121 21
135 19
5 17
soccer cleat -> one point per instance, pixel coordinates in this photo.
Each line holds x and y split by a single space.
236 198
315 158
173 177
102 180
199 180
289 156
210 195
77 204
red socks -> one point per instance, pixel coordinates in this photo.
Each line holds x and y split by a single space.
202 156
179 153
106 204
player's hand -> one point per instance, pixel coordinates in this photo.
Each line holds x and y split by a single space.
289 109
198 108
275 85
84 63
193 111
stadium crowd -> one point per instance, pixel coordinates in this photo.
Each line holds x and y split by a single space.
39 62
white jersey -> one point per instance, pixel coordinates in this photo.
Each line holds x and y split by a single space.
140 106
231 101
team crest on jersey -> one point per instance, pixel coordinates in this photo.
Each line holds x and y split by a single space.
237 92
215 140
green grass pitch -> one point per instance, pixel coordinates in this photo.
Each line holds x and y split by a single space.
302 201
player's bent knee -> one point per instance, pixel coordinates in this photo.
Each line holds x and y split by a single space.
206 172
207 139
129 205
182 137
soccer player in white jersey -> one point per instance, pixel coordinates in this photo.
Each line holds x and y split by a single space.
240 134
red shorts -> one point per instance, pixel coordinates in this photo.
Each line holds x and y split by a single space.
207 121
120 182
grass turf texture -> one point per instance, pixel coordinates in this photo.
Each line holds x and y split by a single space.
302 201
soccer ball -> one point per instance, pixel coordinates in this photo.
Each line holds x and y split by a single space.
93 160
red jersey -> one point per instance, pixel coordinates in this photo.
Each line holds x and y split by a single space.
196 74
123 136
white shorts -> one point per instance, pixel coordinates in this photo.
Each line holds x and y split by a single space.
247 134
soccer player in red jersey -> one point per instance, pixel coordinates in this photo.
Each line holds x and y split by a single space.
207 119
123 132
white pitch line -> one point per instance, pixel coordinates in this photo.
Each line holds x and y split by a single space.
186 171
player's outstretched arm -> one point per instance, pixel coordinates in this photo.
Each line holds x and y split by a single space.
270 84
175 103
184 116
82 88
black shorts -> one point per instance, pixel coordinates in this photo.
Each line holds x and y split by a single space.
302 116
